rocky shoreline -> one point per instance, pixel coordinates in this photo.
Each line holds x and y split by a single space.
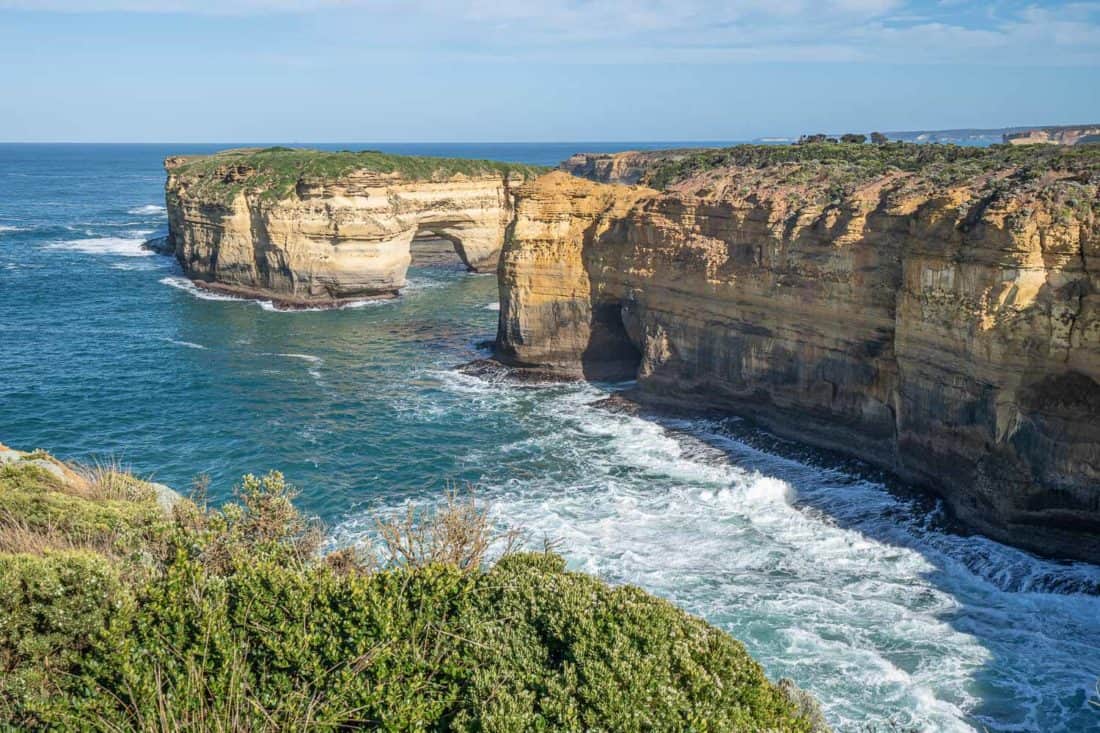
312 229
931 310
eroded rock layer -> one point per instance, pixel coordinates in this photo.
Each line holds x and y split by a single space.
939 319
303 234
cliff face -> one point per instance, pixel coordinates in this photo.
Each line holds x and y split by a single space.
942 324
629 167
326 236
1055 136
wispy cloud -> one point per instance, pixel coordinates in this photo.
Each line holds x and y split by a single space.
685 31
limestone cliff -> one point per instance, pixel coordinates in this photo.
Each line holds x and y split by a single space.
307 227
630 166
934 311
1055 136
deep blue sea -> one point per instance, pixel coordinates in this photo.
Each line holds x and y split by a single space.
826 576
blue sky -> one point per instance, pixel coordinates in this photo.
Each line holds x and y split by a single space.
484 70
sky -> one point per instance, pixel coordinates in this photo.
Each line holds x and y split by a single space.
537 70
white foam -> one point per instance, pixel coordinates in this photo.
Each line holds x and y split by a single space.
148 209
492 307
186 344
268 305
826 577
115 246
9 228
304 357
315 362
182 283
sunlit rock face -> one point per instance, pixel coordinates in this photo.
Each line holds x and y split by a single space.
944 327
331 240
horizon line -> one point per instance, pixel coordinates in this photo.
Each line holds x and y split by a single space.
528 142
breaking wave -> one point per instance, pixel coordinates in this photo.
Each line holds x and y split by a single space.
826 576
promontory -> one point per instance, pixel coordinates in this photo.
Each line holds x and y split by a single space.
933 310
309 227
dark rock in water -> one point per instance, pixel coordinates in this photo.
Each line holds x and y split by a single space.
160 245
619 403
864 312
493 370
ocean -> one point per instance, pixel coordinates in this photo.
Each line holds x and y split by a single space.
829 575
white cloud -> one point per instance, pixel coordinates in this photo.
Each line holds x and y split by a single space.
685 31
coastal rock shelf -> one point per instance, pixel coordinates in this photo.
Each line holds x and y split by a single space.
306 227
932 310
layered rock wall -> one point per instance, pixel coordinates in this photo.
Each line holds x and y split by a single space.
330 240
949 332
1055 136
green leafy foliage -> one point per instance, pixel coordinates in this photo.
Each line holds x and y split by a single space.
945 163
274 173
242 625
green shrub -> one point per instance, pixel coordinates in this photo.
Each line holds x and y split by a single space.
241 625
947 163
273 173
40 511
53 609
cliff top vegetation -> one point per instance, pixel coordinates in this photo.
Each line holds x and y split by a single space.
276 171
942 164
119 614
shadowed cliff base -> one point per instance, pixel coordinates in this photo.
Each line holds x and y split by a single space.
282 301
931 309
325 227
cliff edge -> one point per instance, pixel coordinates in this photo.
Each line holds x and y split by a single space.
933 310
308 227
119 613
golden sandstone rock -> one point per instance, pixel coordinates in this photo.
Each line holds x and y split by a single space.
261 223
933 310
941 321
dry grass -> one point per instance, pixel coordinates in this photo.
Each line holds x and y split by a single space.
459 533
109 480
17 536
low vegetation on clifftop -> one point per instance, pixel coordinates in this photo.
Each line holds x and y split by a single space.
120 613
274 172
941 164
931 309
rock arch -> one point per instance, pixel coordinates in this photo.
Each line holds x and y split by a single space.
334 241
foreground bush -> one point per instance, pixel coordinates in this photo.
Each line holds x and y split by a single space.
231 621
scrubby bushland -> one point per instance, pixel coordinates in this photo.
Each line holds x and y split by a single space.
944 165
274 172
115 615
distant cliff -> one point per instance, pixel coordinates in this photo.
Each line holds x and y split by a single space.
933 310
1055 136
307 227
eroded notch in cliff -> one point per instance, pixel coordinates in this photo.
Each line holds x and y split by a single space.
612 352
430 249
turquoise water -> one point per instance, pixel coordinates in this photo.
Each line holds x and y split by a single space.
826 575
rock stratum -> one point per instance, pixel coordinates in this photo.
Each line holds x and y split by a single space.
932 310
1083 135
306 227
